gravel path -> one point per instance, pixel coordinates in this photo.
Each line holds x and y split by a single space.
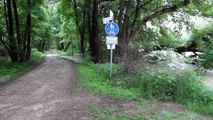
46 93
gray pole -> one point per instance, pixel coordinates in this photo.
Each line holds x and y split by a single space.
111 61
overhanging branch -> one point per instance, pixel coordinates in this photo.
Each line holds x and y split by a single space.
163 11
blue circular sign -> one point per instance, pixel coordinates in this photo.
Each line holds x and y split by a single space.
112 29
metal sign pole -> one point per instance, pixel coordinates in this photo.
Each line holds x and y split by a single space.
111 61
111 30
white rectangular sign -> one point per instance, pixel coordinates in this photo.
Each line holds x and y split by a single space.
108 47
111 40
107 19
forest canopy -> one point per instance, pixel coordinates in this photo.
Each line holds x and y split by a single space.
76 26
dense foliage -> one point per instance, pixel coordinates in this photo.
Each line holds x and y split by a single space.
76 26
132 16
25 25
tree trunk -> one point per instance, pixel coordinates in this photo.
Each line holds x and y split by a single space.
12 42
82 48
28 56
82 34
94 42
18 31
67 46
124 35
43 46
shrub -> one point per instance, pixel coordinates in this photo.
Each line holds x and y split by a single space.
104 69
207 59
36 55
168 84
182 86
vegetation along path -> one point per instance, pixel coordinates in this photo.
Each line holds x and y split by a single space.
209 81
47 92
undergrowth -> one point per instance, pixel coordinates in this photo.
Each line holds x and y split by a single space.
9 70
181 86
165 84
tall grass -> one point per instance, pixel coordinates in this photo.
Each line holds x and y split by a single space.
181 86
166 84
92 79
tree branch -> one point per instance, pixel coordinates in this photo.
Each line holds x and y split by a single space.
163 11
137 12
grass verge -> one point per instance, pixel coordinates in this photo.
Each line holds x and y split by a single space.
9 70
182 85
91 80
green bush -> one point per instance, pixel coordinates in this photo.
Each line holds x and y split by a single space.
182 86
168 84
36 55
207 59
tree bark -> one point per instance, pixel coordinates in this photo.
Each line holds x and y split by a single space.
28 56
12 43
25 38
123 36
94 42
18 31
43 46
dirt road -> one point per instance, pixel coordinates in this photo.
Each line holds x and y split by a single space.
45 93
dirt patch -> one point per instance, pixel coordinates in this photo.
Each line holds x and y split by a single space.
48 92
